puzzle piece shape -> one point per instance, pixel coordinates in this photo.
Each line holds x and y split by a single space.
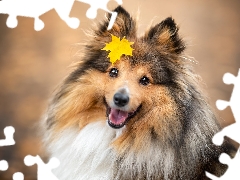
233 130
3 165
234 100
233 172
18 176
8 132
100 4
44 170
36 8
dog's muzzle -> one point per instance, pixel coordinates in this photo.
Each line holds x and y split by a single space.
117 112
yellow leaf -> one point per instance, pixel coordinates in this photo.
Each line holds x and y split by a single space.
117 48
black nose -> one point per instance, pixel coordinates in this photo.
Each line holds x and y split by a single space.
121 99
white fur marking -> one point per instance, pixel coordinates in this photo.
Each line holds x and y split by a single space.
86 154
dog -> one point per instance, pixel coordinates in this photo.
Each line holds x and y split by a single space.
143 116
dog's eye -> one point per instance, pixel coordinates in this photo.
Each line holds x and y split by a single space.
144 81
113 72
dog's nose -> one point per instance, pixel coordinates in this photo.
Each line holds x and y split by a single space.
121 99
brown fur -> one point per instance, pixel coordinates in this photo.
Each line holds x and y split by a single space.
71 113
170 136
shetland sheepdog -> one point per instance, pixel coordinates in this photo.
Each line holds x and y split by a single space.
141 117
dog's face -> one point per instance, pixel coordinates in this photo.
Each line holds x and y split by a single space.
134 100
145 93
127 92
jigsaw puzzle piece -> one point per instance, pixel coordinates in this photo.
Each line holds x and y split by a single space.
38 24
5 9
235 98
233 172
112 20
3 165
233 130
63 8
209 175
221 104
25 8
44 170
95 5
227 79
36 8
8 132
100 4
18 176
12 21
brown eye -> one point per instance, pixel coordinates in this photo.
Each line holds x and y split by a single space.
144 81
113 72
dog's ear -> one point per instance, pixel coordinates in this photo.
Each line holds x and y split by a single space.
124 24
165 36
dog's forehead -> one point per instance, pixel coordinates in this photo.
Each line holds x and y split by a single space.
145 53
126 64
157 64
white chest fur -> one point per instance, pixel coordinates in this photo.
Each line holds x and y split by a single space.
85 154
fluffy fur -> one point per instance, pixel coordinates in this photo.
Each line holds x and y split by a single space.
168 131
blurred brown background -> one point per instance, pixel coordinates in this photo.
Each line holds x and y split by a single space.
33 63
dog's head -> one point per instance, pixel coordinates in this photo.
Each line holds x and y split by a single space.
153 93
153 97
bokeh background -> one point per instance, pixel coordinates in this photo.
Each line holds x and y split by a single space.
33 63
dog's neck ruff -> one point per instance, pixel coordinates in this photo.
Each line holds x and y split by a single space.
85 154
88 154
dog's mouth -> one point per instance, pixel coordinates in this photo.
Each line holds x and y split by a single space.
118 118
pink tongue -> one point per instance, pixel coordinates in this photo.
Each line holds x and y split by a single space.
117 116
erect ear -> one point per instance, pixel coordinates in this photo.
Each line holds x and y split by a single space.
124 24
165 36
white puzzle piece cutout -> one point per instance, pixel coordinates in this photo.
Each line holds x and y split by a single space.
18 176
3 165
36 8
44 170
233 172
8 132
232 131
100 4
